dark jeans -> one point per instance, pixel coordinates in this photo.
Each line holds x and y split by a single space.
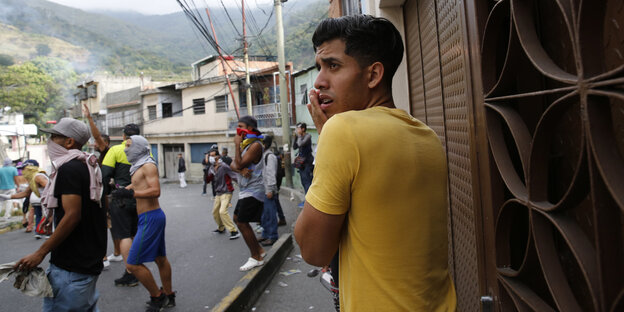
38 213
269 218
306 176
280 212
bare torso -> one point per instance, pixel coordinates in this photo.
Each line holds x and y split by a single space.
145 180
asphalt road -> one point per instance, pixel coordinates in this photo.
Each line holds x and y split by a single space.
205 265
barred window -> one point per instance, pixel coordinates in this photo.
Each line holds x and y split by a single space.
221 103
151 110
199 106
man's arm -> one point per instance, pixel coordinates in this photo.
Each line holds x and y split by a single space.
270 169
318 235
252 155
150 173
22 194
72 207
95 132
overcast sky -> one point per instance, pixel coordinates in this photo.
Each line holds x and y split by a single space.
150 7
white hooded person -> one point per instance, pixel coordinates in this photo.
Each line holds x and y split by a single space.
149 242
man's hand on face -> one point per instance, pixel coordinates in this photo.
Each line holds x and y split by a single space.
318 115
238 139
29 262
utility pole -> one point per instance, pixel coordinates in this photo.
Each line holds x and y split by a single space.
246 55
281 59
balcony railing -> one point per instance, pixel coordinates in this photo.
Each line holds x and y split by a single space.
267 115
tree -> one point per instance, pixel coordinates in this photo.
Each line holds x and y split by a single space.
43 49
27 89
6 60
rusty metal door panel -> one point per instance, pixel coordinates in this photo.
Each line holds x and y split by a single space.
553 82
414 61
456 100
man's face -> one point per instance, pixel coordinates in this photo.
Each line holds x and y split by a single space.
61 140
243 125
342 84
300 131
214 154
128 143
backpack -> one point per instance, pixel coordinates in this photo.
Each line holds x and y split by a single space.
280 173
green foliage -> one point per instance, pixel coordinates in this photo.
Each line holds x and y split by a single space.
27 89
6 60
43 49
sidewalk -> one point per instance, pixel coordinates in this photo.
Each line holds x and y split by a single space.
290 289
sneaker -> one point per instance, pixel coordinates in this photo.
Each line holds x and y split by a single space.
170 296
234 235
127 280
114 258
37 236
281 222
157 304
268 242
106 264
250 264
217 231
259 229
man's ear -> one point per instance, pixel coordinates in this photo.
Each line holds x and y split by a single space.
375 74
69 143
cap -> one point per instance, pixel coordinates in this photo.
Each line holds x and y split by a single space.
131 129
29 162
71 128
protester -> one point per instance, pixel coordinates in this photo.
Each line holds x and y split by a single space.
224 156
122 210
247 162
79 242
181 171
149 243
8 182
36 179
304 159
392 237
102 145
221 176
271 195
206 165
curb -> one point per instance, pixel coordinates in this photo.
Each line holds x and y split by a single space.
249 288
12 227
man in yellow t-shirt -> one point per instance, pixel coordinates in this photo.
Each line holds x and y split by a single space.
379 190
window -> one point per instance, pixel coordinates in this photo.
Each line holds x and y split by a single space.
304 93
199 106
242 98
221 103
167 110
151 111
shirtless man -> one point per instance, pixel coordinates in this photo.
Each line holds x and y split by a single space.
149 242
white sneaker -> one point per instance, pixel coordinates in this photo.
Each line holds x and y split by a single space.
114 258
250 264
106 264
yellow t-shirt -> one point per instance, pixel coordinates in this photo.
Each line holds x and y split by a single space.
387 171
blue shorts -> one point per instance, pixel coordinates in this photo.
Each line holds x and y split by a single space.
149 241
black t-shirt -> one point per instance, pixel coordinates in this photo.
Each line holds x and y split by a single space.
85 247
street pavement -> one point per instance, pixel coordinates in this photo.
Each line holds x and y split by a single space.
204 265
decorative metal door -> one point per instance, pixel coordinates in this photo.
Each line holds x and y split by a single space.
553 79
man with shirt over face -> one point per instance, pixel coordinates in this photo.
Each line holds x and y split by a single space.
247 162
78 243
149 242
391 237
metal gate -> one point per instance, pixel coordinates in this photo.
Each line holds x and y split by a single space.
552 74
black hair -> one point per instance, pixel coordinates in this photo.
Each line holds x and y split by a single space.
268 141
249 121
367 39
216 150
302 125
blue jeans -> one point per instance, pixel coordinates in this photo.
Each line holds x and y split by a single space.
269 218
306 176
72 291
280 212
